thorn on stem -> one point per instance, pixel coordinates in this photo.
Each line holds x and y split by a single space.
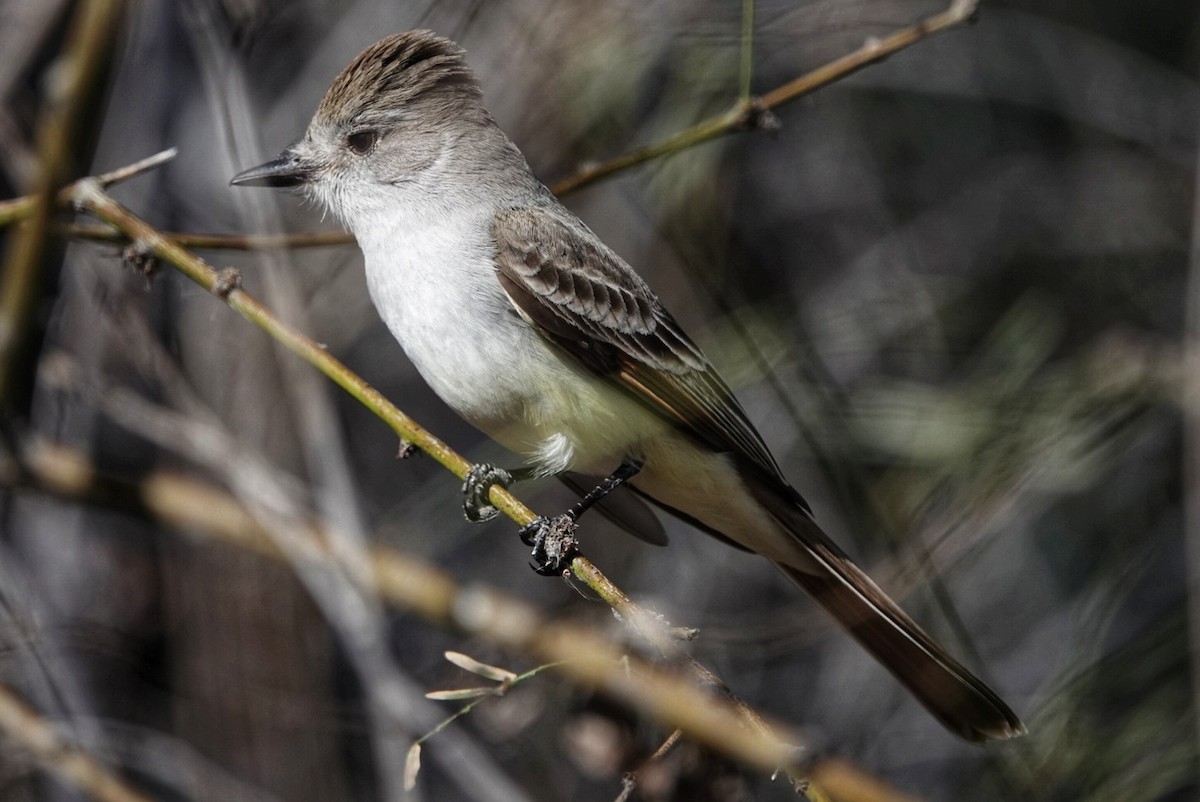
406 449
756 116
138 256
228 280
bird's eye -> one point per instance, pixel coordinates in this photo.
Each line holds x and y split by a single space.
361 142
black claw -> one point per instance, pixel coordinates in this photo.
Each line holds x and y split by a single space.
476 487
530 532
553 541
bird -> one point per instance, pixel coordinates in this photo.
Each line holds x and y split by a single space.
528 326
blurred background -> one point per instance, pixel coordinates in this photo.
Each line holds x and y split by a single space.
953 291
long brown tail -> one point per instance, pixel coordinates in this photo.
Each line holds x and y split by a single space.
961 701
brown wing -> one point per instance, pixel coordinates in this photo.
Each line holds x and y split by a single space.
587 300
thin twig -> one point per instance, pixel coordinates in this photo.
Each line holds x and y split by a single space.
25 726
214 242
748 112
137 168
16 209
630 781
93 30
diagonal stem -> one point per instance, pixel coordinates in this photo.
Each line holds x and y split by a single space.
751 112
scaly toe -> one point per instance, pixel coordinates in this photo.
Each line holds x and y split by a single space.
475 489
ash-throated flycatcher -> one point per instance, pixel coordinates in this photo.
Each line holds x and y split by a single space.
528 326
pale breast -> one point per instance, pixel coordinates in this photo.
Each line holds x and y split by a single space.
430 285
435 288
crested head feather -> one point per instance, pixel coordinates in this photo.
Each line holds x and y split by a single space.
397 71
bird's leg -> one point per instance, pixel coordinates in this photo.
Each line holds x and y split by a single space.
478 483
628 469
553 539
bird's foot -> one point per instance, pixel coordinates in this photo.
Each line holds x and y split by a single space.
553 541
476 486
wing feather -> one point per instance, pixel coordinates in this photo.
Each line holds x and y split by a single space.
587 300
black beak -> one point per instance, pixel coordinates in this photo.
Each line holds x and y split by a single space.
288 170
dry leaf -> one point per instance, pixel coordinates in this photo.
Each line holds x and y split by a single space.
462 693
412 765
482 669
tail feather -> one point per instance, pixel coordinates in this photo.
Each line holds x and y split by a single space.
957 698
961 701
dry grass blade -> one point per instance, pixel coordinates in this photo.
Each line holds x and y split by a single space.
468 663
412 766
462 694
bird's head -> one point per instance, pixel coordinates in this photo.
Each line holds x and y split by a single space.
386 120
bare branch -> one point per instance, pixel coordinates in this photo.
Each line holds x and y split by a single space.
137 168
752 112
215 242
17 209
